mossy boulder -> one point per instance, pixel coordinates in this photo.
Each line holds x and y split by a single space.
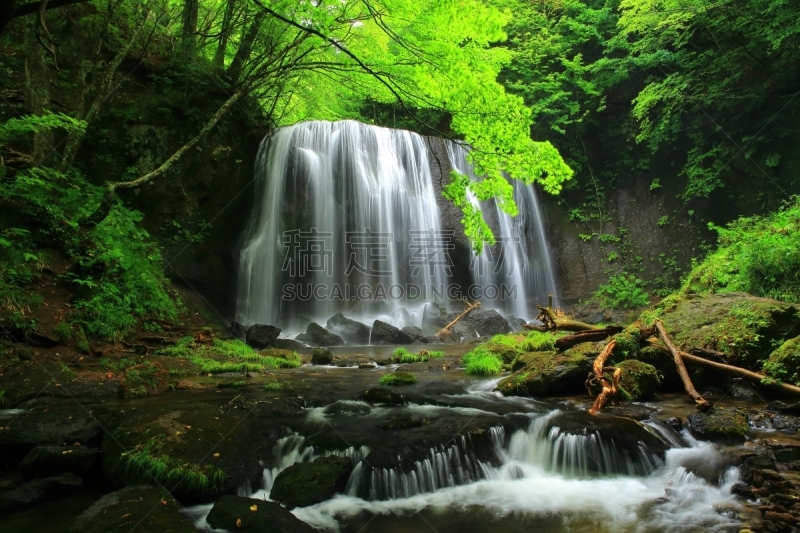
743 327
505 352
381 395
638 380
398 379
784 363
238 513
304 484
727 424
321 356
151 508
548 373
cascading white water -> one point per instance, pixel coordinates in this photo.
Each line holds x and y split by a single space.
350 205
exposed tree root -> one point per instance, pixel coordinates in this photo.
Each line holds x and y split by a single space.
609 388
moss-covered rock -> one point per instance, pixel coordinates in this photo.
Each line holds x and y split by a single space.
784 363
398 379
321 356
638 380
720 424
304 484
237 513
548 373
504 351
381 395
148 509
743 327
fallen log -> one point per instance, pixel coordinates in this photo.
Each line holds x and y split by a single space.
609 389
699 401
592 335
446 331
741 372
555 322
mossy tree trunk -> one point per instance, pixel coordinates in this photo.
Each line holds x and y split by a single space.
37 91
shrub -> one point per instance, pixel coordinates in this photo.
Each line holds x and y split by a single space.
758 255
623 291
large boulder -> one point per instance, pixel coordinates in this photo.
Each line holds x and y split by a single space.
304 484
321 356
319 336
415 333
784 363
262 336
48 424
45 461
547 373
727 424
38 490
386 334
237 513
743 327
151 508
234 330
434 317
352 331
289 344
638 381
487 322
382 396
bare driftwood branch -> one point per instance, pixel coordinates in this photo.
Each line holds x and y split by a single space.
587 336
700 402
446 331
553 321
609 389
741 372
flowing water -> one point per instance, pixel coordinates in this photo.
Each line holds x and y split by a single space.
343 207
539 477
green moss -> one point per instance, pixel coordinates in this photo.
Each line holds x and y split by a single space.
784 363
231 384
401 355
720 423
638 381
627 343
549 372
481 362
537 341
743 327
396 379
508 354
147 462
272 386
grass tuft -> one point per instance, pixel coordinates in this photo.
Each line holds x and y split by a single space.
481 362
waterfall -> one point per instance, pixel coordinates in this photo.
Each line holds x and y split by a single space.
347 218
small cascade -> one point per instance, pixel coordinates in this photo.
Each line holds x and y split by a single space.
444 467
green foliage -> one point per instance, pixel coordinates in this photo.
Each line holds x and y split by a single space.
538 341
148 462
401 355
15 128
481 362
396 379
272 386
19 266
623 291
758 255
231 384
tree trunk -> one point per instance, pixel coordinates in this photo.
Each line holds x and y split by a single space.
189 38
244 50
37 92
591 335
225 31
700 402
107 201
